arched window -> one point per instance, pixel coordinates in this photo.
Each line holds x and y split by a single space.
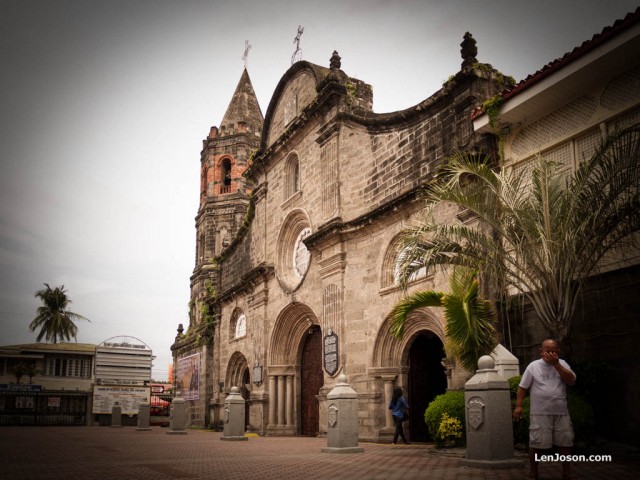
241 326
400 259
392 262
201 250
238 325
225 176
292 176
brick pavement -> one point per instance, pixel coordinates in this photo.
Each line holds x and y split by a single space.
79 453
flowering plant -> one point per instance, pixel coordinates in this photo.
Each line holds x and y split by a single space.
450 429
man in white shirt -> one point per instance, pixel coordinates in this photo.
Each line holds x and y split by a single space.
549 424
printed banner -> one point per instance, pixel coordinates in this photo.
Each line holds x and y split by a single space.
188 377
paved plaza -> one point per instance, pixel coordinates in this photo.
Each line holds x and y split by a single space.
83 453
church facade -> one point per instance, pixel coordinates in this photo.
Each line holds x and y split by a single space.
299 224
298 246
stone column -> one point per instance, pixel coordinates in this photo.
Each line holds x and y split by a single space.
342 419
177 417
281 400
234 406
289 415
272 399
144 417
488 419
116 415
388 395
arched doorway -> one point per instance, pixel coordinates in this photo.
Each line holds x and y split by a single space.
427 379
311 380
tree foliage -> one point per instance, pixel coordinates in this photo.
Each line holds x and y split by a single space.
469 319
541 240
55 322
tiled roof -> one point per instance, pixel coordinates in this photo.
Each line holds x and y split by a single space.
598 39
609 32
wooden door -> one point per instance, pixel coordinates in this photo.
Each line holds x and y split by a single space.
311 380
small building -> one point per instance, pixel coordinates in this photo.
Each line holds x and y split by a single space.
123 374
123 361
73 383
46 383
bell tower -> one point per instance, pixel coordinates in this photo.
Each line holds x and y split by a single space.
224 200
224 192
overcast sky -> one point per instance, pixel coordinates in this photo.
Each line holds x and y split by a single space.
104 105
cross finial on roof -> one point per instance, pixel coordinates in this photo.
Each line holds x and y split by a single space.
297 55
245 56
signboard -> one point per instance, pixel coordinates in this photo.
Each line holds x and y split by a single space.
53 402
188 377
12 387
330 348
106 396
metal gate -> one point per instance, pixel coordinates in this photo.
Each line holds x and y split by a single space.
43 408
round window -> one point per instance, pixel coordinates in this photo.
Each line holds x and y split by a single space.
301 254
294 258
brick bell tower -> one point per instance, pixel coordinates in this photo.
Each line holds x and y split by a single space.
224 199
224 192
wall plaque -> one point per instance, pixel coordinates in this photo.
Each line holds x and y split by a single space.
331 356
475 412
332 416
257 375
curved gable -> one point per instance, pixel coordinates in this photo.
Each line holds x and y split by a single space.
296 90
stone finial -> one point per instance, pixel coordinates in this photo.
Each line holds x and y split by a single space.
468 50
486 362
180 329
334 62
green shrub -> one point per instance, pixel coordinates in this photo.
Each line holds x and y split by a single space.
513 386
451 403
595 381
582 416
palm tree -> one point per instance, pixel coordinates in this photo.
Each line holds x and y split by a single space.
54 320
543 241
469 319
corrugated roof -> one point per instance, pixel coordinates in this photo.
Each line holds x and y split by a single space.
51 347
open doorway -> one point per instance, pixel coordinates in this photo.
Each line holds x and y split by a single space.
427 380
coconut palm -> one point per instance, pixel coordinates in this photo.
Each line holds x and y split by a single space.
469 319
540 241
54 320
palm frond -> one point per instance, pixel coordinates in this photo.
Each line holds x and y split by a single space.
402 309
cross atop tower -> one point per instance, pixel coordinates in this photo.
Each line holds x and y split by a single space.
245 56
297 55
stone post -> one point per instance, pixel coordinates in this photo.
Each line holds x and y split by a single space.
234 406
177 417
342 416
116 415
144 417
488 419
507 364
